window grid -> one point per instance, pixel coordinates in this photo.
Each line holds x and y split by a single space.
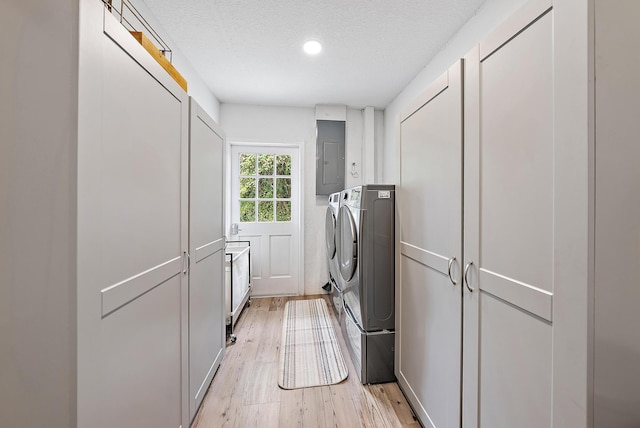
278 206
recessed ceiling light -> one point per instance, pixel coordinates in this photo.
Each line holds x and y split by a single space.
312 47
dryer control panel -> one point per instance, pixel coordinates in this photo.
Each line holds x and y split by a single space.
353 197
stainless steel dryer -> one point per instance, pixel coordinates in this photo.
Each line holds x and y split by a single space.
332 258
366 240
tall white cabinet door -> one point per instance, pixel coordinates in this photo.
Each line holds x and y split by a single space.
430 297
508 224
206 249
132 188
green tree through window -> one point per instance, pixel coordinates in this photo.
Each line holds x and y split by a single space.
265 184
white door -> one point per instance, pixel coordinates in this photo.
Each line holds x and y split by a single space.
265 206
430 296
509 225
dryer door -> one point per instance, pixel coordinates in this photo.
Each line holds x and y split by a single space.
347 243
330 233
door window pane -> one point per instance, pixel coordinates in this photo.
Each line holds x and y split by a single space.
283 165
283 211
265 211
247 188
247 164
247 211
265 188
265 164
283 188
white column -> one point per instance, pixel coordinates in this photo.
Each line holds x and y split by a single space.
368 146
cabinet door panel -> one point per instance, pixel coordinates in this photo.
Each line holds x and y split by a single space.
516 158
140 161
140 199
206 326
206 247
131 232
140 374
206 170
429 361
431 175
509 230
430 207
515 367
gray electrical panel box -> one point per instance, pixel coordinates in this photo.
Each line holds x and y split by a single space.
330 156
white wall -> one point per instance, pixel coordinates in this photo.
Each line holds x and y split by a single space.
244 123
195 85
247 123
38 121
378 145
355 150
353 147
488 17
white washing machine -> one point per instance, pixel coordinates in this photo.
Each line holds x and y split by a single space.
332 256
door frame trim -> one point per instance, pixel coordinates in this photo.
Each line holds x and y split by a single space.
299 145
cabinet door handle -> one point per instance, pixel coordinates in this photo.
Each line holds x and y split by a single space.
451 260
186 264
466 277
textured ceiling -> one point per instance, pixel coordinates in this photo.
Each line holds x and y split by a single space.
250 51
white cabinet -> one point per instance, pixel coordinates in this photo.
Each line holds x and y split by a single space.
150 237
476 346
430 208
131 232
206 249
104 327
551 220
508 224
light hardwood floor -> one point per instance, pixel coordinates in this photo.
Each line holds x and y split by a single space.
245 392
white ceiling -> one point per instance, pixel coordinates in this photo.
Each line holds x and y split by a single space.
250 51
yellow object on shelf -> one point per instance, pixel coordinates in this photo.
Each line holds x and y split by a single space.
161 59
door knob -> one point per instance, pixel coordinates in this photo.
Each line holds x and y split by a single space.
235 229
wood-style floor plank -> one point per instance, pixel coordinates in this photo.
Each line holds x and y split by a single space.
270 337
261 383
259 415
245 393
291 408
399 404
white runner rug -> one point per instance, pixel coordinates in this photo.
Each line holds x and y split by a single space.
310 354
